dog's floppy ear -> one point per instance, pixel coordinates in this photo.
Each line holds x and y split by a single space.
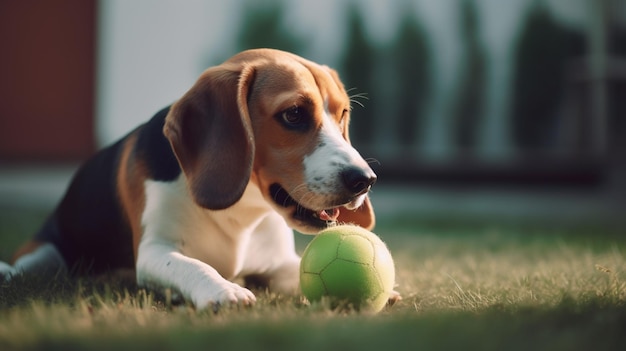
210 132
362 216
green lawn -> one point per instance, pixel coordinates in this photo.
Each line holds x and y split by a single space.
466 285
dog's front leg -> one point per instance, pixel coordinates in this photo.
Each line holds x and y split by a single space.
160 265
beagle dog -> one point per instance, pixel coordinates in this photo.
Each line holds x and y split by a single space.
207 192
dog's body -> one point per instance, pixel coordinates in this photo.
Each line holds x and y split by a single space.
208 190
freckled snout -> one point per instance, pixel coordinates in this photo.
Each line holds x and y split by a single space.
358 180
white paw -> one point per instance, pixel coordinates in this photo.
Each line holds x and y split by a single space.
394 297
6 271
224 293
286 279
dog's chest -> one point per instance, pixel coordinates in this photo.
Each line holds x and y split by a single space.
225 239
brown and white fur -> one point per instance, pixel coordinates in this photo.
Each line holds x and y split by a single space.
209 189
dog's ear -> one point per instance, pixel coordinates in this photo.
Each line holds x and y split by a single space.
210 132
362 216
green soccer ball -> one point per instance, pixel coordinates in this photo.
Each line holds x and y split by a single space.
349 265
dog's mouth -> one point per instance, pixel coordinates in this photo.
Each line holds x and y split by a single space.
317 218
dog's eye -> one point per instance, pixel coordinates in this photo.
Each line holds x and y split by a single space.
295 118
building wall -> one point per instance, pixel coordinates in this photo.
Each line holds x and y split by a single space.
83 73
47 79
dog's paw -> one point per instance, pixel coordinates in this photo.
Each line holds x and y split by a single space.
6 272
394 297
226 293
286 279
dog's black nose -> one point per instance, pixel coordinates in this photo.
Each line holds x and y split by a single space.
358 180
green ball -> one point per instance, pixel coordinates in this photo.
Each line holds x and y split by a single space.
349 265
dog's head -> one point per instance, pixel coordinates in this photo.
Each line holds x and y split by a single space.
280 121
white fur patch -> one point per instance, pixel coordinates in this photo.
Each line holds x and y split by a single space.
198 252
323 167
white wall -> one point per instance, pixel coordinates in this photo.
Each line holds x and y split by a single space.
150 53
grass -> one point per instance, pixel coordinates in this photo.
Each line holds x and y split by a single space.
465 286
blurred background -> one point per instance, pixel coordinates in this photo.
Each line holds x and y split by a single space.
472 108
